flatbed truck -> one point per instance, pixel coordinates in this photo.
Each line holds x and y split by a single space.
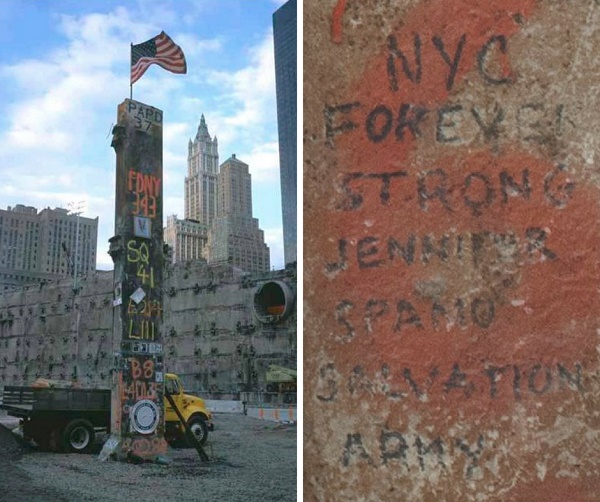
66 419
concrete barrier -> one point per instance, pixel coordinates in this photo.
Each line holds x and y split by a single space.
286 414
224 406
282 415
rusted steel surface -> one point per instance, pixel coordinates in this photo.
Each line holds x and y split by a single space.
452 209
137 251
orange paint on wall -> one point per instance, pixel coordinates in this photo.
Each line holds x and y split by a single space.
541 308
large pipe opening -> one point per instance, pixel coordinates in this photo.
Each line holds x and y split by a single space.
273 301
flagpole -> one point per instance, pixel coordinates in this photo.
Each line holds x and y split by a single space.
130 83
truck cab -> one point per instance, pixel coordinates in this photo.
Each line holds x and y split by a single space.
193 409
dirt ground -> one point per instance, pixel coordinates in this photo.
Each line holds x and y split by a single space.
253 460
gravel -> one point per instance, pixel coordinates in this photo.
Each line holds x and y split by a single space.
251 460
11 446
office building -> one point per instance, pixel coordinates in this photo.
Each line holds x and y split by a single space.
201 181
235 237
187 237
284 36
40 246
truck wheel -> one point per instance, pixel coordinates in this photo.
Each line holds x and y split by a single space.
199 428
78 436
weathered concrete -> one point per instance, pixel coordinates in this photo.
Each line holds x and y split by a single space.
212 337
137 252
451 267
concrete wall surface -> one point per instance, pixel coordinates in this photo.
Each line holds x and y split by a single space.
212 336
451 301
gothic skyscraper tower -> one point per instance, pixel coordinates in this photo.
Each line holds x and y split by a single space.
201 181
218 224
187 237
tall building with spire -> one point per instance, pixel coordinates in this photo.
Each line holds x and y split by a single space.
201 181
234 237
187 238
218 224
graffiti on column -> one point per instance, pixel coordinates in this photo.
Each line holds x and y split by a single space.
456 276
138 271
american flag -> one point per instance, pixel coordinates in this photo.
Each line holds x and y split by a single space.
160 50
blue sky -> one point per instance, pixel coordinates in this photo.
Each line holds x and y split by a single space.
64 68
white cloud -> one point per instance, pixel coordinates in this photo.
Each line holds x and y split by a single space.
251 90
173 205
71 83
69 100
65 111
274 239
31 74
173 132
193 47
263 161
174 148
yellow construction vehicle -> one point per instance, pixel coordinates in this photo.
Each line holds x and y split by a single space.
282 381
192 408
66 418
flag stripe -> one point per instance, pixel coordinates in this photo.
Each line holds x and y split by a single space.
138 72
149 61
174 69
160 50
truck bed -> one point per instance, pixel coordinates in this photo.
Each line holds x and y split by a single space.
22 401
17 401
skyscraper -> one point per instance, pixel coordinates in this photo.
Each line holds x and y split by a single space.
36 246
235 237
284 36
201 181
188 237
